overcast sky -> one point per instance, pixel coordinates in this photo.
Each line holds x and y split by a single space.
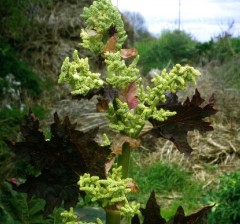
202 18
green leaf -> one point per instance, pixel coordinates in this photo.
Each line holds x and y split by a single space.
15 208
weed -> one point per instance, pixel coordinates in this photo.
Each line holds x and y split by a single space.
227 200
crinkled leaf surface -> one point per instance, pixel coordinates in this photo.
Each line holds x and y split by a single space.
199 217
68 154
189 117
128 53
151 214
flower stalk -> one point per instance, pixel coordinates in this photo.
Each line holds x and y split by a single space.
124 159
130 107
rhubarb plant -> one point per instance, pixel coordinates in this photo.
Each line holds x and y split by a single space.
131 104
73 164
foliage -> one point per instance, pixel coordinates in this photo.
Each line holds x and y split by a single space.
16 17
218 50
172 47
161 177
11 64
152 214
102 20
189 116
10 118
6 165
68 154
128 103
70 218
78 75
111 191
15 208
223 55
144 47
166 180
227 199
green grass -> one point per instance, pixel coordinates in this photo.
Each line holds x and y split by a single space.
173 186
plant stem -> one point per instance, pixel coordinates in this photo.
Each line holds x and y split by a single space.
123 160
113 217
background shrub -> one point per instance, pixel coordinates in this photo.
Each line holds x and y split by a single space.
172 47
227 199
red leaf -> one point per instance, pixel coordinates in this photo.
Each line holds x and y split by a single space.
152 212
133 186
189 117
102 104
132 98
128 53
110 46
119 140
199 217
68 154
130 95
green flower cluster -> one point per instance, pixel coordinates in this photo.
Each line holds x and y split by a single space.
110 191
119 75
78 75
70 218
131 122
128 122
100 17
175 80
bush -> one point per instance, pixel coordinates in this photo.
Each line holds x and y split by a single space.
227 199
171 48
11 64
219 50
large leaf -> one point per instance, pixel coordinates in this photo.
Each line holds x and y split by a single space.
62 159
199 217
189 117
151 214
